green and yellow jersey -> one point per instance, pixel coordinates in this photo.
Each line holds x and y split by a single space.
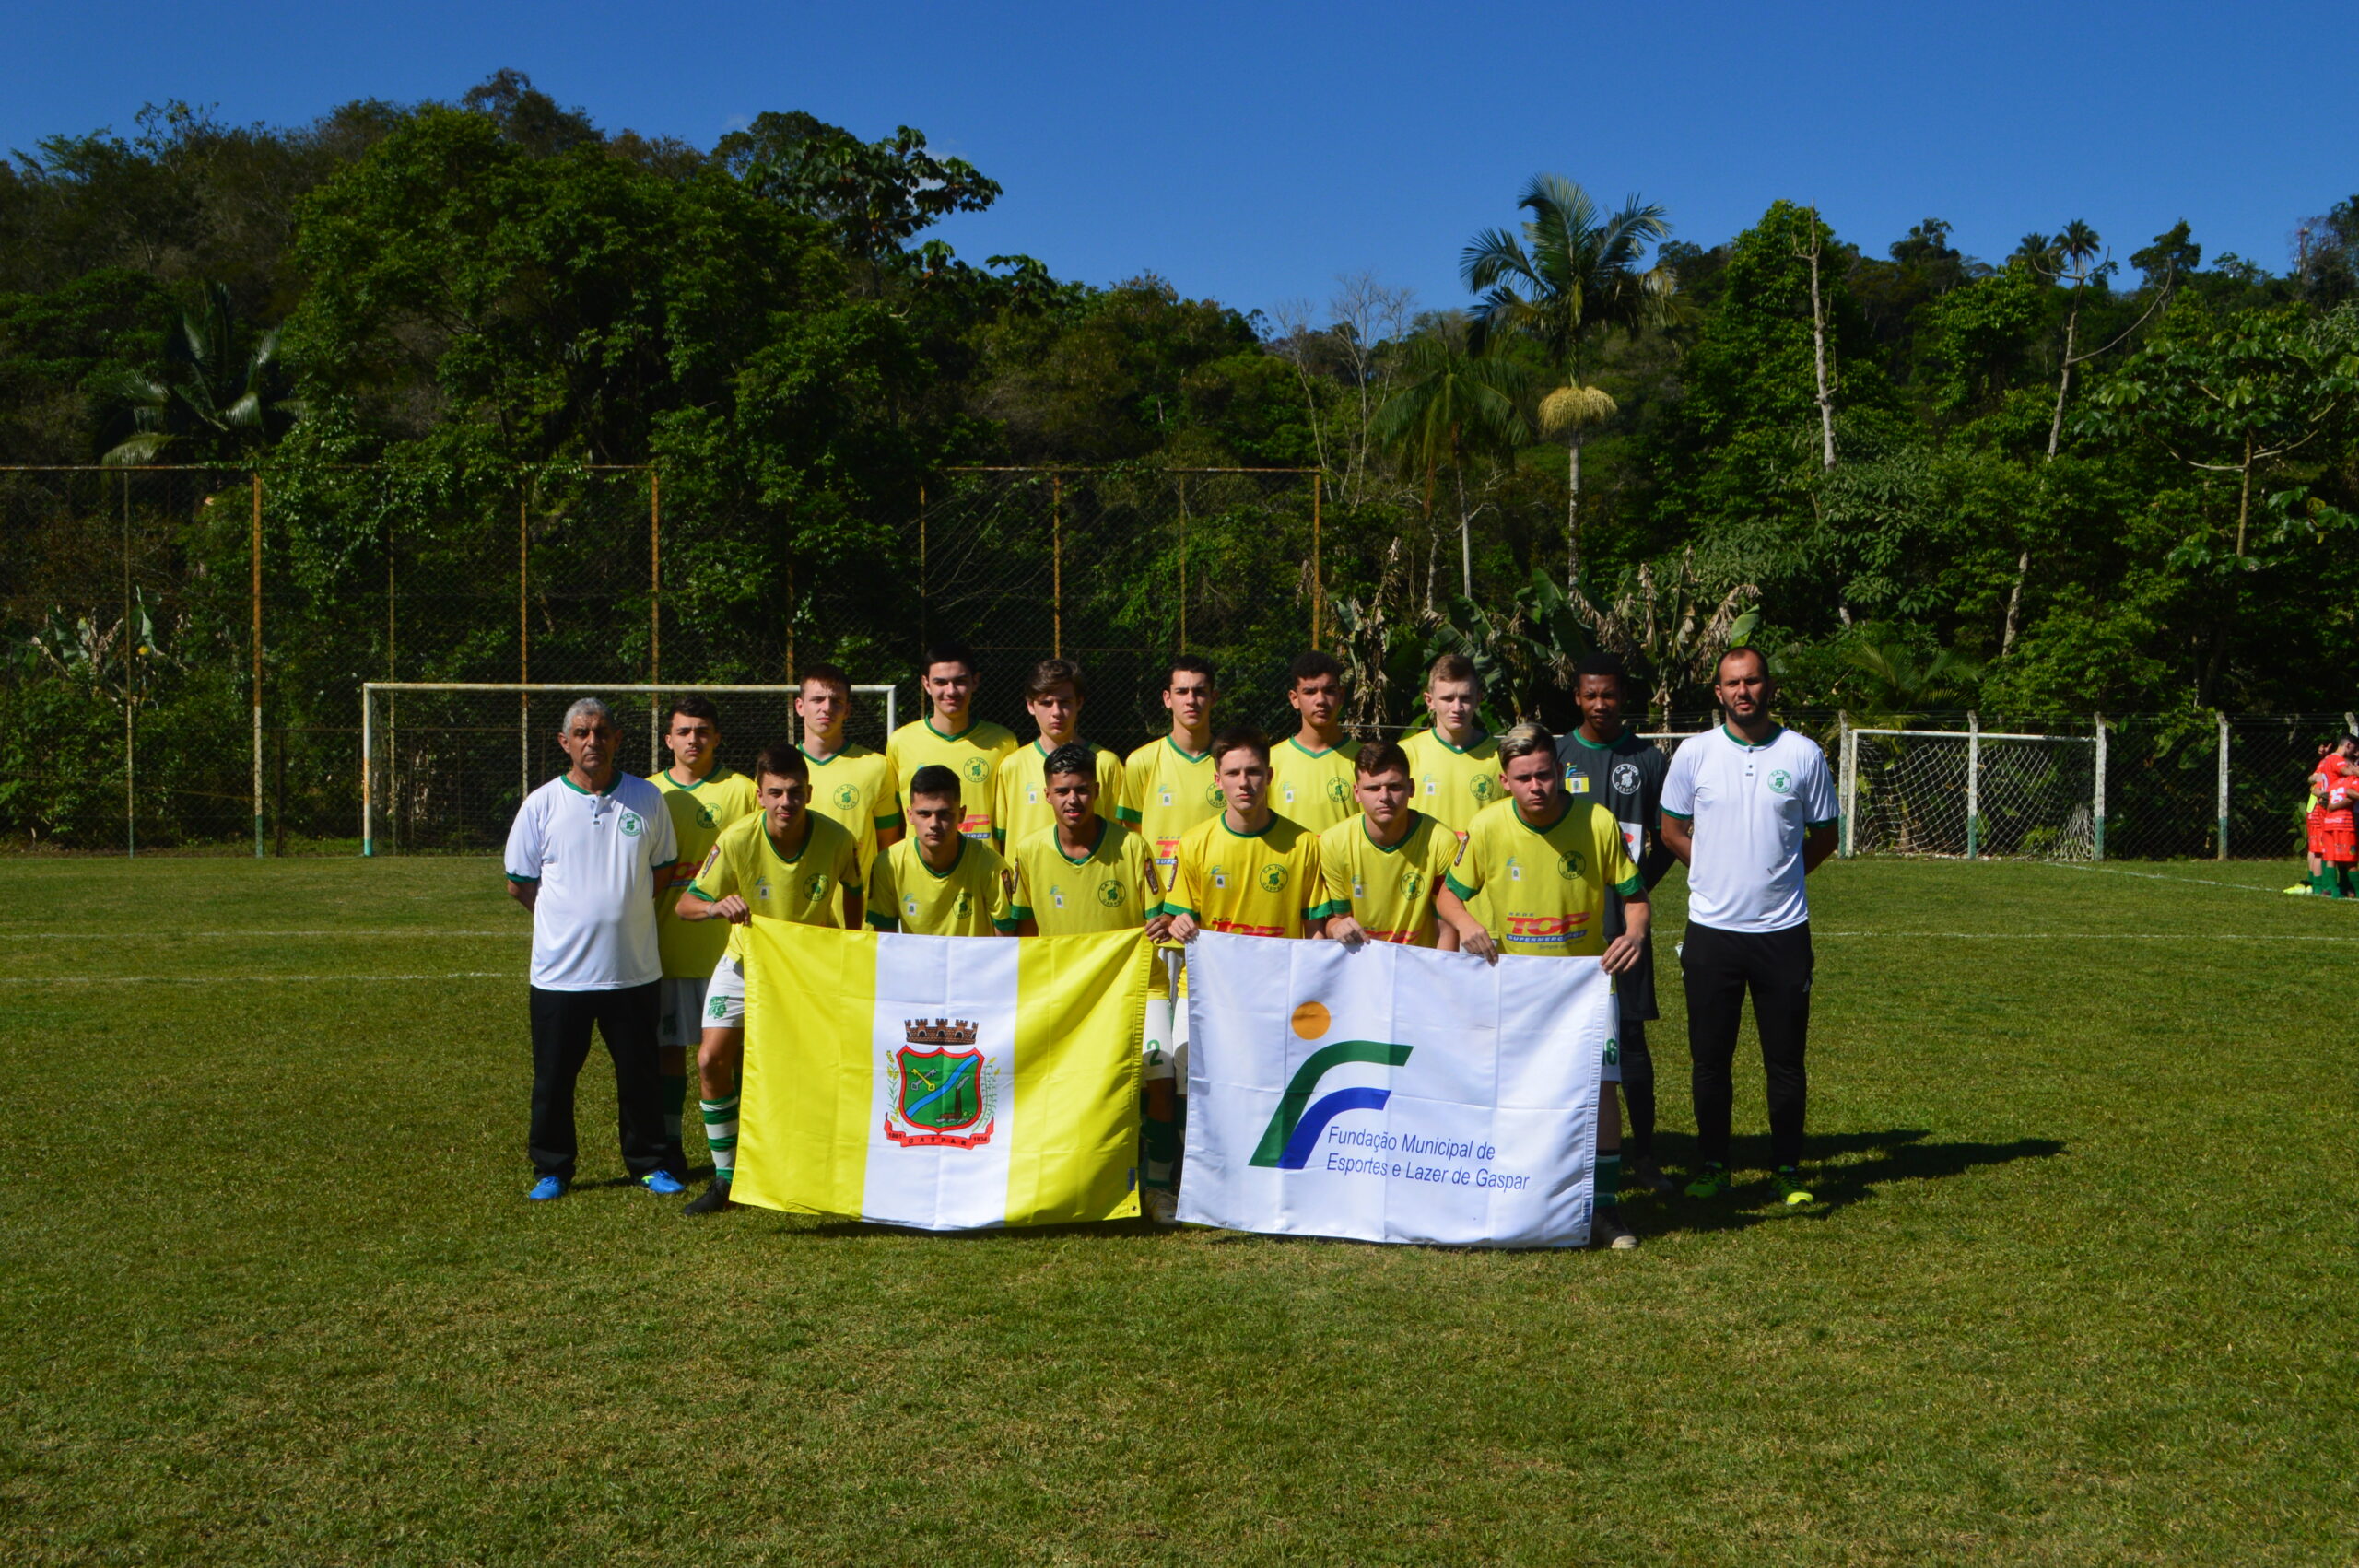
973 898
806 887
1113 888
974 753
855 789
1451 784
1390 891
698 812
1312 788
1165 791
1265 883
1542 891
1023 807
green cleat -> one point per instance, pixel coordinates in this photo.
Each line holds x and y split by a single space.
2303 890
1711 1181
1788 1183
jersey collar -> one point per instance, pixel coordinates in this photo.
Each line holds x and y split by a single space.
1602 745
1261 831
832 756
1414 817
1095 844
1296 742
971 722
810 827
1184 752
1049 751
1565 811
917 855
1742 744
613 785
1460 751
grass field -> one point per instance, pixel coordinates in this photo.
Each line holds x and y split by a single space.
2081 1291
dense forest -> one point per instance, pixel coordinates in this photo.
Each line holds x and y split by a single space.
2052 482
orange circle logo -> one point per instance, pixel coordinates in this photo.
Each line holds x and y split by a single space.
1312 1020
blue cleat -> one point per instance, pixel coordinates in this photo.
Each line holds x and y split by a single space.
546 1189
664 1184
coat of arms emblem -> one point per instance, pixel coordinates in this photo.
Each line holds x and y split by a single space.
941 1091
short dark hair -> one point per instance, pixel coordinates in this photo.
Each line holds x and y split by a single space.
1454 667
1380 757
949 653
1240 737
1071 758
1601 664
781 759
935 780
695 704
1189 664
1054 673
1743 649
1310 666
831 673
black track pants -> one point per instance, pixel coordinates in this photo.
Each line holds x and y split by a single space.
1719 968
1639 1088
561 1022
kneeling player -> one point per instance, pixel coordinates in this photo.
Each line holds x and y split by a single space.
784 863
937 881
1532 879
1383 867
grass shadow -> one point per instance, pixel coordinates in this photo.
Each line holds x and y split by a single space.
1896 1154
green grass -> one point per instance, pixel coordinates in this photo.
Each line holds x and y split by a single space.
2082 1290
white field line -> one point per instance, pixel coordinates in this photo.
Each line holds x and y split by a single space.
243 980
522 933
2160 876
2087 936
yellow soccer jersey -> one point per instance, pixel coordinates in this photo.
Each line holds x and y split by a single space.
856 788
1165 791
973 898
1023 807
1312 788
806 890
1265 883
1544 893
1389 891
1450 785
974 753
699 810
1113 888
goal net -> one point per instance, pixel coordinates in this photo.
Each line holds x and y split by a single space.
444 765
1970 794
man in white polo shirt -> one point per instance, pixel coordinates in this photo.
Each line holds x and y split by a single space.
1750 808
587 856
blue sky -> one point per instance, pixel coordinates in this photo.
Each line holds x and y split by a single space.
1251 153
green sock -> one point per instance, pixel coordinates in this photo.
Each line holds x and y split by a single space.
673 1087
1609 1179
721 1135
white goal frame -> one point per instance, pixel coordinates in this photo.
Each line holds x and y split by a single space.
526 689
1973 735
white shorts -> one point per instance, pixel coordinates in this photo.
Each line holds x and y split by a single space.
1612 1072
680 1021
724 998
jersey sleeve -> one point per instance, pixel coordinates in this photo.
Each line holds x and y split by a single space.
1130 809
884 904
524 852
1110 785
1336 876
887 809
1617 872
848 863
1465 875
1679 785
1185 896
1820 807
716 879
1004 914
1314 880
1143 871
662 839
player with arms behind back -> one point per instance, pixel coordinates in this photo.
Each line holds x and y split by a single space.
1383 866
849 782
1167 784
953 738
785 863
1054 697
1310 771
1453 764
938 881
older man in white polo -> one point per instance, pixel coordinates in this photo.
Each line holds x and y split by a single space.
586 856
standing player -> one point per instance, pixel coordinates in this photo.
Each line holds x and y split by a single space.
850 783
1167 784
1383 866
952 737
1604 762
1310 772
1453 764
784 863
702 798
938 881
1248 870
1053 698
1534 877
1751 808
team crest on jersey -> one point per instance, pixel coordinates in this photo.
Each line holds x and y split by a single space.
1570 865
1212 795
1272 878
704 816
762 888
941 1091
1167 794
1782 781
630 825
1625 777
977 769
1109 893
1410 881
816 888
1338 791
964 905
1482 786
846 797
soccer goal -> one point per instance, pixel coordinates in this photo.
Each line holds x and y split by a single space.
445 764
1973 793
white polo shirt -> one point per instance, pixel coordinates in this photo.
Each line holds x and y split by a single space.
1748 807
595 857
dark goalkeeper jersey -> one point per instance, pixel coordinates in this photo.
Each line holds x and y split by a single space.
1626 779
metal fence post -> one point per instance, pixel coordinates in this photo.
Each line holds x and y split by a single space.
257 552
368 795
1847 779
2097 852
1974 786
1318 562
2222 853
1057 564
654 618
523 650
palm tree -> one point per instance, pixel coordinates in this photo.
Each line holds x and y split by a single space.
194 401
1453 406
1573 276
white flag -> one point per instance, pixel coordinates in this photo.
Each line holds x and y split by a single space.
1392 1094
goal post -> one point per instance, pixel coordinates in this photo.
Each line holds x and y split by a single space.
1972 794
444 764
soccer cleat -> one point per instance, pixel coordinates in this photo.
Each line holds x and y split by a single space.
1788 1183
2302 890
1160 1205
711 1201
663 1182
1606 1230
1711 1181
546 1189
1650 1176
